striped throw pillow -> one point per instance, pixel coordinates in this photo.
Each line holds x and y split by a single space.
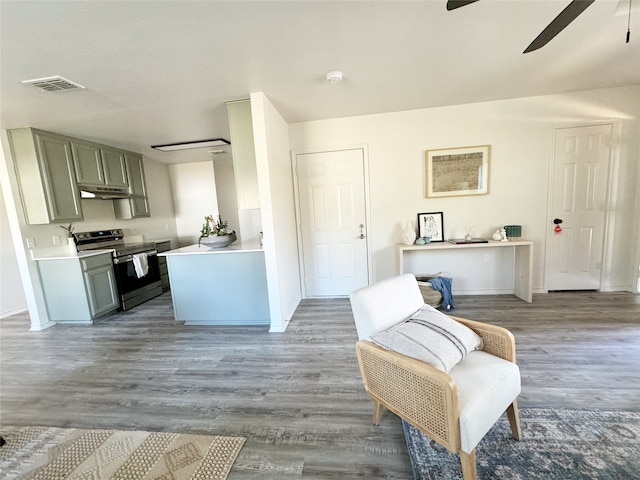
432 337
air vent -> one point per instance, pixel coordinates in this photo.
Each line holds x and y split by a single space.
53 84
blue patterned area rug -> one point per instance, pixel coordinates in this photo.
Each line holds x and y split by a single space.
557 444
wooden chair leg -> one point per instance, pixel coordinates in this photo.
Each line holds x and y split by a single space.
468 462
377 412
514 420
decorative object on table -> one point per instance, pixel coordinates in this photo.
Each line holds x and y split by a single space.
558 444
463 241
468 229
514 232
216 233
457 171
408 234
48 453
431 225
420 241
503 233
497 235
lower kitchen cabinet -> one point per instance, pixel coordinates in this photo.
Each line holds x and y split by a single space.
163 246
78 289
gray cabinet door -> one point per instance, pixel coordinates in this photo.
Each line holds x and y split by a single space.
59 178
135 172
88 163
115 170
101 290
138 205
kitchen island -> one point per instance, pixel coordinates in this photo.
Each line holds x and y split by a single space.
219 286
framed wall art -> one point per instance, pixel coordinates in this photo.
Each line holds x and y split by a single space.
457 171
431 225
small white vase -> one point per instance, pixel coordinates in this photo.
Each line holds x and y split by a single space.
408 234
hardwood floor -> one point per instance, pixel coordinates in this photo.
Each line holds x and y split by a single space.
296 396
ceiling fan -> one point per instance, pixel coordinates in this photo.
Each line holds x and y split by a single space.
564 18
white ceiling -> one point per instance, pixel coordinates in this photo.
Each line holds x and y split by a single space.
160 71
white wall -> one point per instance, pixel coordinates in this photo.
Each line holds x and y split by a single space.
520 132
226 193
194 197
275 182
12 299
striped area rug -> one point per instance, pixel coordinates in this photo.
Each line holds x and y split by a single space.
45 453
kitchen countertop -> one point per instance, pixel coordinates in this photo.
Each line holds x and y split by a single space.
69 254
203 249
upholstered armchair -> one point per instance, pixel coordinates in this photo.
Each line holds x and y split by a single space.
455 409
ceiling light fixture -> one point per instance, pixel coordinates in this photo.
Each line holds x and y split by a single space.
171 147
334 76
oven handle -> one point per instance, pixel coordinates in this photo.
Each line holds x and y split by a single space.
129 258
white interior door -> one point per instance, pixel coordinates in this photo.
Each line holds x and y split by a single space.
579 201
332 221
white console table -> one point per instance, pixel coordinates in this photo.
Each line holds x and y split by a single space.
522 259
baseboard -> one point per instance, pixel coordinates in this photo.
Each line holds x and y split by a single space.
279 328
13 311
617 288
37 328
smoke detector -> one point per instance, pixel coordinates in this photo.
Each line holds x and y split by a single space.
53 84
334 77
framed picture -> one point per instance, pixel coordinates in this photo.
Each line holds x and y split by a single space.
457 171
431 225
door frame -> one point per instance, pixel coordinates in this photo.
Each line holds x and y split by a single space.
611 186
367 204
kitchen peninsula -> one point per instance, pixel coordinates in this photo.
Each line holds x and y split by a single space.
219 286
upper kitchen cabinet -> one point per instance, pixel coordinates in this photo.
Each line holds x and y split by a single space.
138 205
115 170
46 175
88 163
244 154
96 165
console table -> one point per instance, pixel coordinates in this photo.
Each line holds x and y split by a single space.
522 252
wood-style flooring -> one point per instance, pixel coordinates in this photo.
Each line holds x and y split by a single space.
296 396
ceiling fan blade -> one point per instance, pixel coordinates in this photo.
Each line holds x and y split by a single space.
568 15
453 4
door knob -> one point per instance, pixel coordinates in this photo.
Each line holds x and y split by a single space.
557 221
362 235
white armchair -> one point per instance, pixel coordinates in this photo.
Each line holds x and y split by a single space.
455 409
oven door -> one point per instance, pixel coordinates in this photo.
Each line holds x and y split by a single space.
134 289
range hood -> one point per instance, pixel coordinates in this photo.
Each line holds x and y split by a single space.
105 193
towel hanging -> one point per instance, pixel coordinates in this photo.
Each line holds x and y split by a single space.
141 264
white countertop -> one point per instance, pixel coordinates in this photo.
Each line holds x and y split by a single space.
244 247
68 254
